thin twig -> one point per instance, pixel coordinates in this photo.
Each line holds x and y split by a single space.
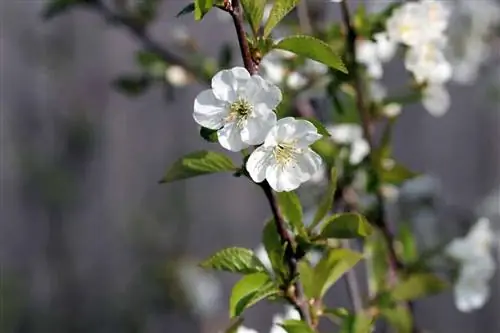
141 34
237 15
304 20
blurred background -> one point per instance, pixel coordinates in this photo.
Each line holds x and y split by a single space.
91 243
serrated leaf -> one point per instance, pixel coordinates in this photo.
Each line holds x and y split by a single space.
291 209
346 225
296 326
132 85
254 11
280 9
234 260
197 164
186 10
56 7
326 203
208 134
312 48
331 267
275 250
248 291
201 7
399 318
418 286
319 126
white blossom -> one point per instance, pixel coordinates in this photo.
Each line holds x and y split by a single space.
290 313
427 62
392 110
436 100
261 253
285 159
477 266
239 106
177 76
243 329
351 135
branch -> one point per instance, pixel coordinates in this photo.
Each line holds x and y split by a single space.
236 12
368 128
141 34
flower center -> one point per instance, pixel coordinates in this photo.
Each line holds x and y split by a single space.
285 153
239 111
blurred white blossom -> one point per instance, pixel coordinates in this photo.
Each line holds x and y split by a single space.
477 266
436 100
352 136
177 76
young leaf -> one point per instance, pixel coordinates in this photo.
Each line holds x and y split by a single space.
399 317
408 243
358 323
254 10
186 10
417 286
197 164
347 225
331 268
376 252
396 174
248 291
274 248
56 7
291 208
306 273
312 48
201 7
280 9
296 326
327 201
234 260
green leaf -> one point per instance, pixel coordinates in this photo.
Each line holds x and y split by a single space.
408 244
280 9
306 273
291 209
186 10
319 126
235 260
57 7
254 11
201 7
197 164
151 63
326 203
359 323
326 149
248 291
376 252
208 134
395 173
275 249
399 318
347 225
312 48
331 268
296 326
417 286
132 85
233 328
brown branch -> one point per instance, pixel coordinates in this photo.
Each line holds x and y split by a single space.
380 220
236 12
138 31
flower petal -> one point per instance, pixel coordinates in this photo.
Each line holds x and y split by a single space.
256 128
259 91
227 83
209 112
230 137
305 133
282 132
258 162
309 164
359 150
283 179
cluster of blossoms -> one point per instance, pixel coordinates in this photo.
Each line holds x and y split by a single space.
240 107
477 266
420 27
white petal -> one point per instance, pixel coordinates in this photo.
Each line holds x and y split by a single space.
375 70
283 179
260 92
359 150
296 81
209 112
386 48
436 100
471 294
243 329
345 133
261 253
305 133
227 83
309 163
258 162
256 128
230 137
284 129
